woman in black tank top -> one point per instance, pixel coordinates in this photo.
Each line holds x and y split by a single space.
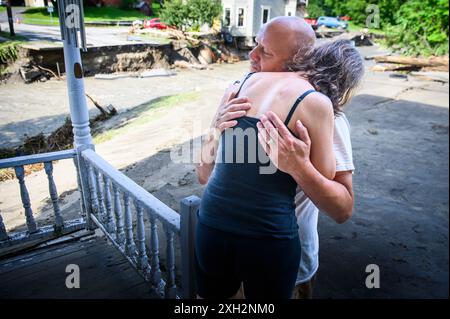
247 230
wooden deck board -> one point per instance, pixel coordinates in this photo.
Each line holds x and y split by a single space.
104 273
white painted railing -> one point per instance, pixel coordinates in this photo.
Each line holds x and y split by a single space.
35 232
113 198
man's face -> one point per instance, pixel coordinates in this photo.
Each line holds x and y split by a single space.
273 50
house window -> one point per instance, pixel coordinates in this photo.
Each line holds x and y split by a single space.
265 15
227 17
240 17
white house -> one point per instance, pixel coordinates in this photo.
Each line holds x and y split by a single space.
242 19
34 3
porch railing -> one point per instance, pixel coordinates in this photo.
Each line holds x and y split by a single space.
35 232
113 197
114 203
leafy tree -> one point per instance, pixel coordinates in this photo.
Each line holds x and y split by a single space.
421 27
203 11
356 9
416 26
174 13
190 13
315 9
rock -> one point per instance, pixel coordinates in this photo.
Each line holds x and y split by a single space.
157 72
30 75
206 55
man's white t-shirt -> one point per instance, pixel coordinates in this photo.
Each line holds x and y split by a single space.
307 213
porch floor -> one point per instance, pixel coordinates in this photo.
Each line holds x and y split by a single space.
41 273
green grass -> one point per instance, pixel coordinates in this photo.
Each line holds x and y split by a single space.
9 52
2 9
5 34
91 14
151 111
355 28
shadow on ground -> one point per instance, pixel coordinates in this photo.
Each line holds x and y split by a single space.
400 221
12 134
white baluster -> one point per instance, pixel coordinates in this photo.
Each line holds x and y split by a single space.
93 190
59 224
142 260
80 189
31 224
3 233
120 234
155 275
109 214
171 288
101 202
130 247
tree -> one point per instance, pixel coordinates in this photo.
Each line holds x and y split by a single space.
356 9
174 13
315 8
415 26
203 11
190 13
421 27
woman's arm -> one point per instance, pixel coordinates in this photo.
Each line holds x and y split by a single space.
206 163
317 115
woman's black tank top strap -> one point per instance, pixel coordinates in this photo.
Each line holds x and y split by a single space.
242 84
297 102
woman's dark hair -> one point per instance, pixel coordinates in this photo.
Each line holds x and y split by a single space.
334 69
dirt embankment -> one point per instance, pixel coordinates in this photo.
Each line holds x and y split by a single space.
40 62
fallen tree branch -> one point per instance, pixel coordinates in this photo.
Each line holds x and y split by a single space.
105 113
395 67
418 62
50 71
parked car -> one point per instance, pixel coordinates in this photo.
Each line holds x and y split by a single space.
344 18
331 22
155 23
312 22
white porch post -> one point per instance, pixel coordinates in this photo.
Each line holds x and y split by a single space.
79 113
73 36
71 25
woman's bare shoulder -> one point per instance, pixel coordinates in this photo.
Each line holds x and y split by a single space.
318 105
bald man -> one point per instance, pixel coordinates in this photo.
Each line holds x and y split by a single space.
278 42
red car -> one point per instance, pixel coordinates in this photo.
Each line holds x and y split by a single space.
345 18
312 22
155 23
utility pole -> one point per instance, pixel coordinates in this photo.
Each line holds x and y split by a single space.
10 18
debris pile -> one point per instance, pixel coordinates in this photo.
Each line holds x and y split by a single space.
193 50
363 38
